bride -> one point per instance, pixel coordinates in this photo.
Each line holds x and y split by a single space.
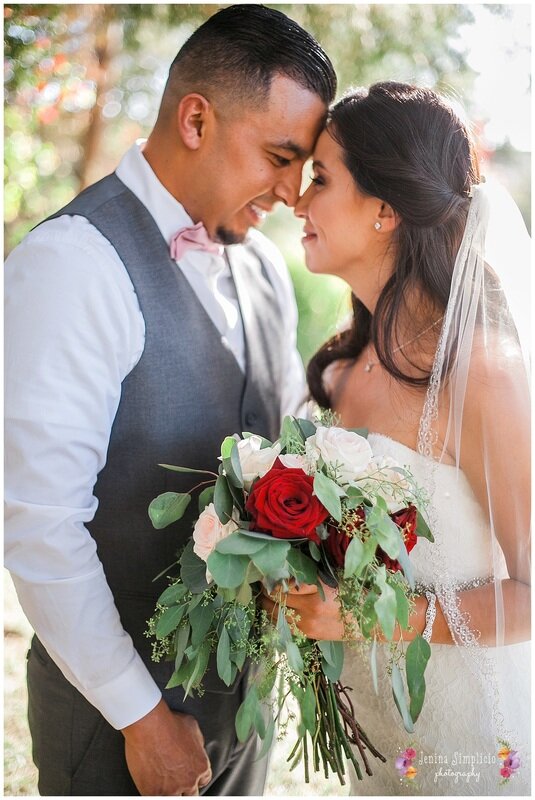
434 365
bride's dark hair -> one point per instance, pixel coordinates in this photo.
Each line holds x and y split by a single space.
405 145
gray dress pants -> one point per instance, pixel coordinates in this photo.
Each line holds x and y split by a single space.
78 753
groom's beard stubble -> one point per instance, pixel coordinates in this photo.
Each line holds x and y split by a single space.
226 236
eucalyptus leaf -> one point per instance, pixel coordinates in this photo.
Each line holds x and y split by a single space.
239 624
240 545
301 566
168 508
246 715
201 665
231 461
333 659
386 604
328 493
268 537
314 550
402 610
307 427
193 570
224 666
416 658
186 469
238 658
399 698
308 709
201 619
406 564
294 657
169 620
271 559
422 528
181 643
206 497
228 571
283 628
267 742
172 595
290 431
354 557
181 675
385 530
369 617
223 500
245 594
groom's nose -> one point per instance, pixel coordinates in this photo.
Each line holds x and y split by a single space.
289 184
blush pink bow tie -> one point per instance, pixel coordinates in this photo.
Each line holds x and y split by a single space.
194 237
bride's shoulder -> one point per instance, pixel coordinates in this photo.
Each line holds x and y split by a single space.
495 372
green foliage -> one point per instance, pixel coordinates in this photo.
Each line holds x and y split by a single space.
167 508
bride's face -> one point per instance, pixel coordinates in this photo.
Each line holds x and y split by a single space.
340 237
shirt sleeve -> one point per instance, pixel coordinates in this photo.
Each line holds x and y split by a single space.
73 331
294 393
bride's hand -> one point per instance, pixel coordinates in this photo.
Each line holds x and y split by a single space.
316 618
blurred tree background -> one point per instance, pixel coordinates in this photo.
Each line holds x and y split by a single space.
82 82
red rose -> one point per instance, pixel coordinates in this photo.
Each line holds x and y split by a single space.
282 503
406 520
338 540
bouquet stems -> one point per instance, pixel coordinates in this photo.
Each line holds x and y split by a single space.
336 732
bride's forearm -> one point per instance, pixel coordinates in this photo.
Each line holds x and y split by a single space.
480 605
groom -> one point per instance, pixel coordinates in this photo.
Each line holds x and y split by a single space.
135 336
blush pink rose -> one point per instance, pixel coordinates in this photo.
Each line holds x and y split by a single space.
208 531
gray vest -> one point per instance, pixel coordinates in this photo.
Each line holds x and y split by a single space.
183 397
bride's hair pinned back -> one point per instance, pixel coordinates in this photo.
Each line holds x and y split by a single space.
407 146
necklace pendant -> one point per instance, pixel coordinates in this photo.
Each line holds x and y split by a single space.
368 367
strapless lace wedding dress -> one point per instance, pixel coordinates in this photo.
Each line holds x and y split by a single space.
456 750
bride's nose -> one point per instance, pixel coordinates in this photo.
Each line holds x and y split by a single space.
301 207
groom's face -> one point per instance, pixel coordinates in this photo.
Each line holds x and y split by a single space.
255 158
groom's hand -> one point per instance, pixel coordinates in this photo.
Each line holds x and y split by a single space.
165 753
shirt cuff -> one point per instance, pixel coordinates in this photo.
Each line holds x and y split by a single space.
128 697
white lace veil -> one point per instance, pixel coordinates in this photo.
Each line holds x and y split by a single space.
483 353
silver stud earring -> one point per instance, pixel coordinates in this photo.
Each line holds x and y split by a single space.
377 226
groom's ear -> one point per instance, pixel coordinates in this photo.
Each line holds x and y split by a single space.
388 218
192 114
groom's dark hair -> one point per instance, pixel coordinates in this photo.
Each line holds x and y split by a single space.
236 53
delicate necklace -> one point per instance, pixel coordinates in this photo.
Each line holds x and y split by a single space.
371 364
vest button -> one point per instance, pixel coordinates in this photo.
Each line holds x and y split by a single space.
251 418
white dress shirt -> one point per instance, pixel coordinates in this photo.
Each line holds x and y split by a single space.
74 330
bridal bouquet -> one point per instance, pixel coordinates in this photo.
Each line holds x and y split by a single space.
313 507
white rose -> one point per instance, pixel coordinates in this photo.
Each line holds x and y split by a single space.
294 461
349 452
208 531
255 462
382 478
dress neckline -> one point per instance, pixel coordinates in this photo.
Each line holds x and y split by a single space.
410 449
